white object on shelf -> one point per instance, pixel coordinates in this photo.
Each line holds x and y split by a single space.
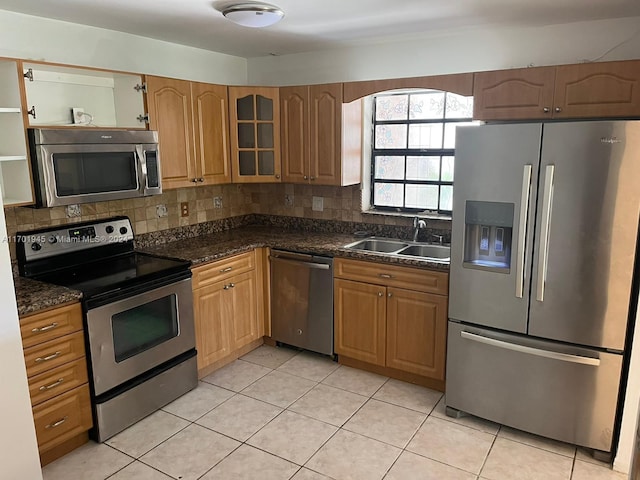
9 110
12 158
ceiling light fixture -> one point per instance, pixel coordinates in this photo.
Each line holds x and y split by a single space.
255 15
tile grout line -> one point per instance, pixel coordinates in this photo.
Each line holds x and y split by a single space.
484 461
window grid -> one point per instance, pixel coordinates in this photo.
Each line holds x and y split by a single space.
441 153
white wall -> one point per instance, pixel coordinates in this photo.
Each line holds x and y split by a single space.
36 38
20 458
453 52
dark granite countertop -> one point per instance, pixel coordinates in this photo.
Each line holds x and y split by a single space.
215 246
33 296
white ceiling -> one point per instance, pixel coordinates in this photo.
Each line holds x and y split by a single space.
314 24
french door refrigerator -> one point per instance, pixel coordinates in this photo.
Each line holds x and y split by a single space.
545 223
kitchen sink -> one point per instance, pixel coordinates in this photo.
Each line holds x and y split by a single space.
438 253
430 251
377 245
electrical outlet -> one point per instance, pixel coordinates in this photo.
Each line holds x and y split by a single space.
217 202
161 211
73 211
184 209
318 204
77 114
288 200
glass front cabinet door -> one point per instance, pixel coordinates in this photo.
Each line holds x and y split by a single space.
255 134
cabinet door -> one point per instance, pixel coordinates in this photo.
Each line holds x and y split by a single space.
169 103
359 321
212 314
610 89
243 299
416 332
255 134
294 103
211 128
325 109
513 94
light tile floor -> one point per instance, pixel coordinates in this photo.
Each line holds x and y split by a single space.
277 414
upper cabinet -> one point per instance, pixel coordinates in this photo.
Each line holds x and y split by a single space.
255 134
192 124
589 90
15 171
321 136
98 98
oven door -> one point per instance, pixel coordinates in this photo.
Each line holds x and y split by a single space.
132 335
81 173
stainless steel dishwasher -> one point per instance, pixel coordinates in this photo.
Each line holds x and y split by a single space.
302 300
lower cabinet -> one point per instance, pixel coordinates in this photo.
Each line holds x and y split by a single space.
227 312
54 355
392 317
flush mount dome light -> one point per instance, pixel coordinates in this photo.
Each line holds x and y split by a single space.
253 15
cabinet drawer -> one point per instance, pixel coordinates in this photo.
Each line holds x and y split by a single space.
63 417
54 353
391 275
57 380
45 326
217 271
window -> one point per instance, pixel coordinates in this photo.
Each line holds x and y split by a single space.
414 149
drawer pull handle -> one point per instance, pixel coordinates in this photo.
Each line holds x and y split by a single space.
58 423
48 357
53 385
385 275
45 328
225 270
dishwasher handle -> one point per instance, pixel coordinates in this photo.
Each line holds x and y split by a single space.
302 263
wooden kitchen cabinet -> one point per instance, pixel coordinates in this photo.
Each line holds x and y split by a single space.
359 321
255 134
416 332
192 123
321 137
588 90
54 354
393 318
227 313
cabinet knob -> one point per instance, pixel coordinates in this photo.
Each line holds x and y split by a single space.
299 331
558 109
313 178
277 175
194 180
305 177
380 294
546 109
201 180
232 285
389 294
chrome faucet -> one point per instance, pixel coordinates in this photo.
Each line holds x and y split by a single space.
417 225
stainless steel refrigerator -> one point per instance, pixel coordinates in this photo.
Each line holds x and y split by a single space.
545 223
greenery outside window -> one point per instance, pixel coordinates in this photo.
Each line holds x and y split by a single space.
414 149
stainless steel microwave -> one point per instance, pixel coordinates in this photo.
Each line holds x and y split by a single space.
80 166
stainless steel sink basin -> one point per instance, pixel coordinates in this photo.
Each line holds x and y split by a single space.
437 253
377 245
429 251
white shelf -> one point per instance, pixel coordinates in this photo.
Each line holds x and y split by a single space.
11 158
9 110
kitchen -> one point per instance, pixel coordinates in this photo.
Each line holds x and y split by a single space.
251 199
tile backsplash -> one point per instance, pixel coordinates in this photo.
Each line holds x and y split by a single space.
207 203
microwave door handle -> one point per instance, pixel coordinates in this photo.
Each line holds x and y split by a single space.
142 159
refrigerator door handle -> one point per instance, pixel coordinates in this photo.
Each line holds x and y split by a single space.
522 229
547 201
565 357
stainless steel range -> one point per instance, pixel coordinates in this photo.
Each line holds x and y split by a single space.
138 312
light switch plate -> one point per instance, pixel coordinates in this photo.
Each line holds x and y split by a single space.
318 204
161 211
73 211
217 202
288 200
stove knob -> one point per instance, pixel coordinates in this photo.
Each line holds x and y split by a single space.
53 239
36 246
123 230
109 229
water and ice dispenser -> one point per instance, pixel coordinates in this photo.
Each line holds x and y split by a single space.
487 238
